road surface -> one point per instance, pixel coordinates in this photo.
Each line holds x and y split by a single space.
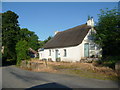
14 77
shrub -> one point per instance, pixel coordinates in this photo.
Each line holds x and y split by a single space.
22 51
109 61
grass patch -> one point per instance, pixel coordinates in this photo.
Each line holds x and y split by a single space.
85 73
58 67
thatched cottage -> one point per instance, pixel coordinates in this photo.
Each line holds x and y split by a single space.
72 45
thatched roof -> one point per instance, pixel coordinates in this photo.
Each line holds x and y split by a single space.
67 38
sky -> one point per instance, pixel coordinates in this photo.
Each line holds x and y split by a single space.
44 18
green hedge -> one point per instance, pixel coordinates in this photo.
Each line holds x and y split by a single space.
109 61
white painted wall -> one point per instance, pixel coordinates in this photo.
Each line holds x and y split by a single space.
73 54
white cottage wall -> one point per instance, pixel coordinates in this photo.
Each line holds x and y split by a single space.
72 54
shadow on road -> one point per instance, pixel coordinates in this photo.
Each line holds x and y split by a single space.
50 85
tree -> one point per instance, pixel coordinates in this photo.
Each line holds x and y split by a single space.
16 41
10 30
108 32
0 35
22 51
30 37
42 43
45 41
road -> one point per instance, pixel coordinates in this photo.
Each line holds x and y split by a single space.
14 77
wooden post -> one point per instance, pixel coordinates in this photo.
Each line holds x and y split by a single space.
46 62
117 68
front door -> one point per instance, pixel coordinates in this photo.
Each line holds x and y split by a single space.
86 50
56 54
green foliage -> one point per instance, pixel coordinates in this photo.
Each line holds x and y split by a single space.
42 43
108 31
0 35
45 41
16 41
30 37
109 61
22 51
10 30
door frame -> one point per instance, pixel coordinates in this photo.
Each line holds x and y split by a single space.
86 44
56 54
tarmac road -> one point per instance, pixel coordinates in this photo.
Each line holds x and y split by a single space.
13 77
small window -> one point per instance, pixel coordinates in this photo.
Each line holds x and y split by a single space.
92 46
90 37
65 53
52 50
49 52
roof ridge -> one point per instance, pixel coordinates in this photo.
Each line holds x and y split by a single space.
73 28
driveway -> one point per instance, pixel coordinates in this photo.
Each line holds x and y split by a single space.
14 77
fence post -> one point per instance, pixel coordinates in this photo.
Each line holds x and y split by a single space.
117 68
45 62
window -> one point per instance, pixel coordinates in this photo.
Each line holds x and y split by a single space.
90 37
49 52
65 53
52 50
92 46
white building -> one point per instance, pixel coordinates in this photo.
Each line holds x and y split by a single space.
72 45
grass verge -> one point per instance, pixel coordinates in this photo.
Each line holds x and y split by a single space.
87 70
